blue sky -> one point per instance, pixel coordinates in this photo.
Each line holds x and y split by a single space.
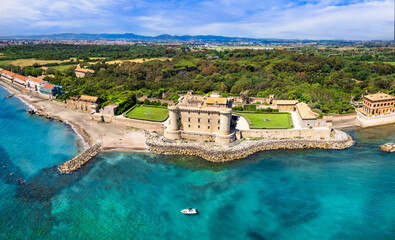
308 19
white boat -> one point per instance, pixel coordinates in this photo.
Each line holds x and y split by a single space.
189 211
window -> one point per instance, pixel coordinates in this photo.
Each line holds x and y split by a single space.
208 114
208 120
219 121
179 118
199 113
189 125
199 120
218 128
208 127
189 119
198 126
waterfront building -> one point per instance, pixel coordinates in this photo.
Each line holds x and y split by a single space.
50 90
21 80
307 117
378 104
84 103
201 118
8 75
34 83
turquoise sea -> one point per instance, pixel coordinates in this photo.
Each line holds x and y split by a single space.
290 194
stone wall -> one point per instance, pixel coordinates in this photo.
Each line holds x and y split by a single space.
375 120
169 102
210 152
145 125
340 117
81 159
314 134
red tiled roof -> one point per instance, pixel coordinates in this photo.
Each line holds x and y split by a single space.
20 77
8 73
48 86
35 79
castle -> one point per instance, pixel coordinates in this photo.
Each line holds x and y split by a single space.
203 118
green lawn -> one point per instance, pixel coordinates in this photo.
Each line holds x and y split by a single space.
149 113
268 120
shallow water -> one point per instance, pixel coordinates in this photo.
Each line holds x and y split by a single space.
289 194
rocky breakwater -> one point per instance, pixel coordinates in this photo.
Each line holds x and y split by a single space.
81 159
43 114
388 147
211 152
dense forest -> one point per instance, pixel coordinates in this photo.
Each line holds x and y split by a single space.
326 79
83 52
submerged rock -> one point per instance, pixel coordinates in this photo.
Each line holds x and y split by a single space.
388 147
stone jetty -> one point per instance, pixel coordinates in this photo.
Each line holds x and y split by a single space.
388 147
210 152
81 159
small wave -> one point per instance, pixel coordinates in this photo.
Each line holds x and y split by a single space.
86 145
8 90
26 103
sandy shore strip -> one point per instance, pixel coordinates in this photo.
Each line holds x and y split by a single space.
111 135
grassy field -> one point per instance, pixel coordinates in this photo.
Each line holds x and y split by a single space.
30 61
158 114
391 63
139 60
63 67
267 120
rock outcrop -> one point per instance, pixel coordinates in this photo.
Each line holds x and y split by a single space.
388 147
210 152
81 159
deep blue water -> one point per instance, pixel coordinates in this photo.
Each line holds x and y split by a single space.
290 194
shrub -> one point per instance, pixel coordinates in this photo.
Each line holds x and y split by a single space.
239 108
251 108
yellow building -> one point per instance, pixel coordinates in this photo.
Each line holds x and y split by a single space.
84 103
378 104
286 105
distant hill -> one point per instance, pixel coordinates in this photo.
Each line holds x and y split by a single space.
159 38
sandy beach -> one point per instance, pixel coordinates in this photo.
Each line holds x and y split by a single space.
113 137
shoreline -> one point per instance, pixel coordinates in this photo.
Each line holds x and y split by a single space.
76 129
88 131
117 138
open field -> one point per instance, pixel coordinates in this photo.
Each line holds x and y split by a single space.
158 114
230 48
30 61
268 120
139 60
391 63
63 67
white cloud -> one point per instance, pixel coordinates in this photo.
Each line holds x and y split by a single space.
313 19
